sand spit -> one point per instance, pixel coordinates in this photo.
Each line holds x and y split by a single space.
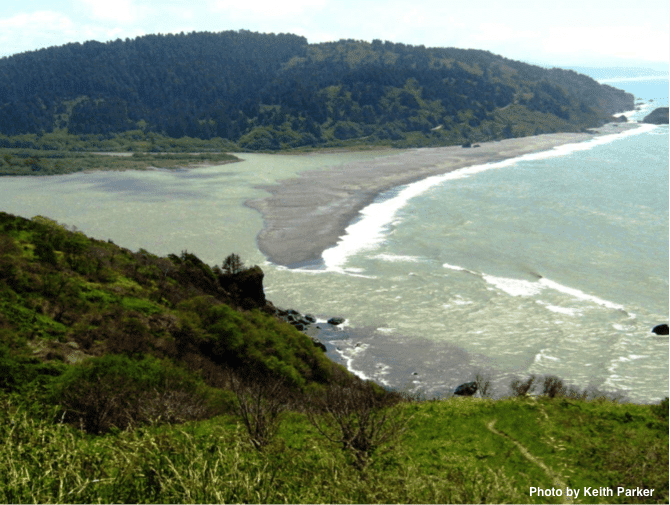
306 215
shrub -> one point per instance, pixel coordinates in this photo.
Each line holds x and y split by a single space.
233 264
661 409
261 401
116 391
483 384
553 387
357 417
522 388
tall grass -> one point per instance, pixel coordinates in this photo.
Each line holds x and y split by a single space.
446 452
44 461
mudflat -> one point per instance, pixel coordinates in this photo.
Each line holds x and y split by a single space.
306 215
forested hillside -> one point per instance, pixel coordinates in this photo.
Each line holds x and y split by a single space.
267 91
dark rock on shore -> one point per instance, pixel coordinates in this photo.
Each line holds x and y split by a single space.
246 288
319 344
658 116
661 329
467 389
299 322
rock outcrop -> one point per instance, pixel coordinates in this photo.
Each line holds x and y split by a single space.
661 329
467 389
245 287
658 116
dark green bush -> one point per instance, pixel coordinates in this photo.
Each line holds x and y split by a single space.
116 391
661 409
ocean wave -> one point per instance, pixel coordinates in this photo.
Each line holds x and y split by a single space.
576 293
371 228
521 287
568 311
349 354
453 267
542 355
514 287
396 258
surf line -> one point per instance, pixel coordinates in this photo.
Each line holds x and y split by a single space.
369 230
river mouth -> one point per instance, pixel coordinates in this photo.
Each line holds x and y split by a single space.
443 295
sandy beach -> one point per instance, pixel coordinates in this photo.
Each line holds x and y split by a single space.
306 215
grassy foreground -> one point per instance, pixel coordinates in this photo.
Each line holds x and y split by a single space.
453 451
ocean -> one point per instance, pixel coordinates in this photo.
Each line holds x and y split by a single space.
551 264
554 264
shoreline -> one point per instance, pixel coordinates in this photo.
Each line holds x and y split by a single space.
305 215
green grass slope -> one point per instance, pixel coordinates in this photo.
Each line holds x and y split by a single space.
454 451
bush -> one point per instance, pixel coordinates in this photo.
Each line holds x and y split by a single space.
357 417
233 264
522 388
661 409
261 401
483 385
553 387
116 391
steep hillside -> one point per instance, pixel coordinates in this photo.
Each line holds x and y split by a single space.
65 298
267 91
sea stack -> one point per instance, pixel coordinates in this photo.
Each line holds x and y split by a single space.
658 116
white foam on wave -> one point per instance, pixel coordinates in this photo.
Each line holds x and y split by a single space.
576 293
514 287
542 356
568 311
349 354
394 258
520 287
459 301
453 267
370 229
282 268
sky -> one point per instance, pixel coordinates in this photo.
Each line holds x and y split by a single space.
557 33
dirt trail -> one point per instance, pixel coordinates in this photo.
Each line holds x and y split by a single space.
556 479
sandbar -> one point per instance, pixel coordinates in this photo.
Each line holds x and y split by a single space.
305 215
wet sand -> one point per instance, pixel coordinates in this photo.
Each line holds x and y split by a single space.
306 215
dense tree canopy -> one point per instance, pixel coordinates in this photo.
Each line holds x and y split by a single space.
269 91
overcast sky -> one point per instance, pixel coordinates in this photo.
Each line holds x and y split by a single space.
560 32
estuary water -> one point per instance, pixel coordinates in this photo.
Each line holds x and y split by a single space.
552 264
